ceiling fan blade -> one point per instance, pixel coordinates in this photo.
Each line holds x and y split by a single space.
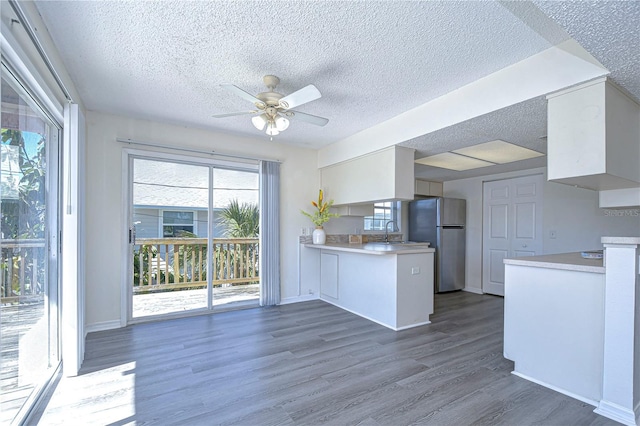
299 97
313 119
238 91
231 114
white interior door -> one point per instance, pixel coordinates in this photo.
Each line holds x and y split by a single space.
512 226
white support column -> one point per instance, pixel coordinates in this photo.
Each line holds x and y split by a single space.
621 382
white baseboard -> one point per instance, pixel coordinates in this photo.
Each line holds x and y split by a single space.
557 389
376 321
102 326
616 412
296 299
473 290
406 327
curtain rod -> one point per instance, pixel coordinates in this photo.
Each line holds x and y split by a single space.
36 42
199 151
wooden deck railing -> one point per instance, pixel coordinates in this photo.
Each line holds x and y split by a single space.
22 274
162 264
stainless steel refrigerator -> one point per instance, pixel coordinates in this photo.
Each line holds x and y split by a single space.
441 222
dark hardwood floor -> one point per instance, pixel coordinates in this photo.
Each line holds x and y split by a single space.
310 363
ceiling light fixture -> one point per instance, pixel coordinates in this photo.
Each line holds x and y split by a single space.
451 161
272 130
274 123
481 155
259 121
498 151
281 123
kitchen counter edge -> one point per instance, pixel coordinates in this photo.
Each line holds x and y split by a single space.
384 250
565 261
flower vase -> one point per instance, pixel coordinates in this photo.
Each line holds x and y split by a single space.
319 236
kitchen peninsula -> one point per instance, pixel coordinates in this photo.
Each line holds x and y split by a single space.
391 284
554 322
572 324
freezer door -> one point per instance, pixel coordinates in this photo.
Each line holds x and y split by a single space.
453 211
451 259
422 221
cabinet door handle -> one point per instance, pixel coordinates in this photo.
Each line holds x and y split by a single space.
524 245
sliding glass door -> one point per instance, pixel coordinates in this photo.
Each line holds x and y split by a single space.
29 314
236 278
193 236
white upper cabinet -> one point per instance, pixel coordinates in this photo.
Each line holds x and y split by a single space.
594 137
355 210
425 187
381 175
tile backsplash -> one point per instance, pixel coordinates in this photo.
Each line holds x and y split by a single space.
344 238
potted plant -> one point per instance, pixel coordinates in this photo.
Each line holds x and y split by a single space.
320 216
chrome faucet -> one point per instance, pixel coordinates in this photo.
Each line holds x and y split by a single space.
386 229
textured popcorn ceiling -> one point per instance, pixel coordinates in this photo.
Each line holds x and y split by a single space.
370 60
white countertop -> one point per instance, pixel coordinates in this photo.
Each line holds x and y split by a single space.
621 240
376 248
566 261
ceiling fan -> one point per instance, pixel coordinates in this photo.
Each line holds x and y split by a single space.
274 109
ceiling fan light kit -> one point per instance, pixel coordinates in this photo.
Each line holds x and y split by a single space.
273 107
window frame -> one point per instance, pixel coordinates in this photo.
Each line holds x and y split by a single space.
395 214
162 224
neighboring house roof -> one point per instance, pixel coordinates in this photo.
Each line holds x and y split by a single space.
165 184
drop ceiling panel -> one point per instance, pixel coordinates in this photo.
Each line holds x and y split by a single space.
451 161
498 151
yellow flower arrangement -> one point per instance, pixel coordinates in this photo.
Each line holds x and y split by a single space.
322 214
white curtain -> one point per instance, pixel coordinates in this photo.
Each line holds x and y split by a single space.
269 233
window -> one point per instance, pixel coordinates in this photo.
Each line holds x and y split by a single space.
29 305
177 223
382 213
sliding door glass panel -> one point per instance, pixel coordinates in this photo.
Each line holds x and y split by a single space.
29 336
235 237
170 219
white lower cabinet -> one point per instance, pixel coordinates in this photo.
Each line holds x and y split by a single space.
394 290
329 275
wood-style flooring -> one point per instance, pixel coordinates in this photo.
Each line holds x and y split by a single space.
310 363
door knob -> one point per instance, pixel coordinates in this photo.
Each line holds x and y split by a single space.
524 245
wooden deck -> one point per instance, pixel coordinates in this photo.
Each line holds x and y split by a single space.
184 300
15 321
306 364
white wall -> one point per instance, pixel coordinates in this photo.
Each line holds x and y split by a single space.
572 212
105 222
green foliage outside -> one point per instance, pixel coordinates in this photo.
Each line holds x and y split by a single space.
23 212
24 217
240 220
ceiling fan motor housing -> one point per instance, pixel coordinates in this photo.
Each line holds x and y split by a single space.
271 99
